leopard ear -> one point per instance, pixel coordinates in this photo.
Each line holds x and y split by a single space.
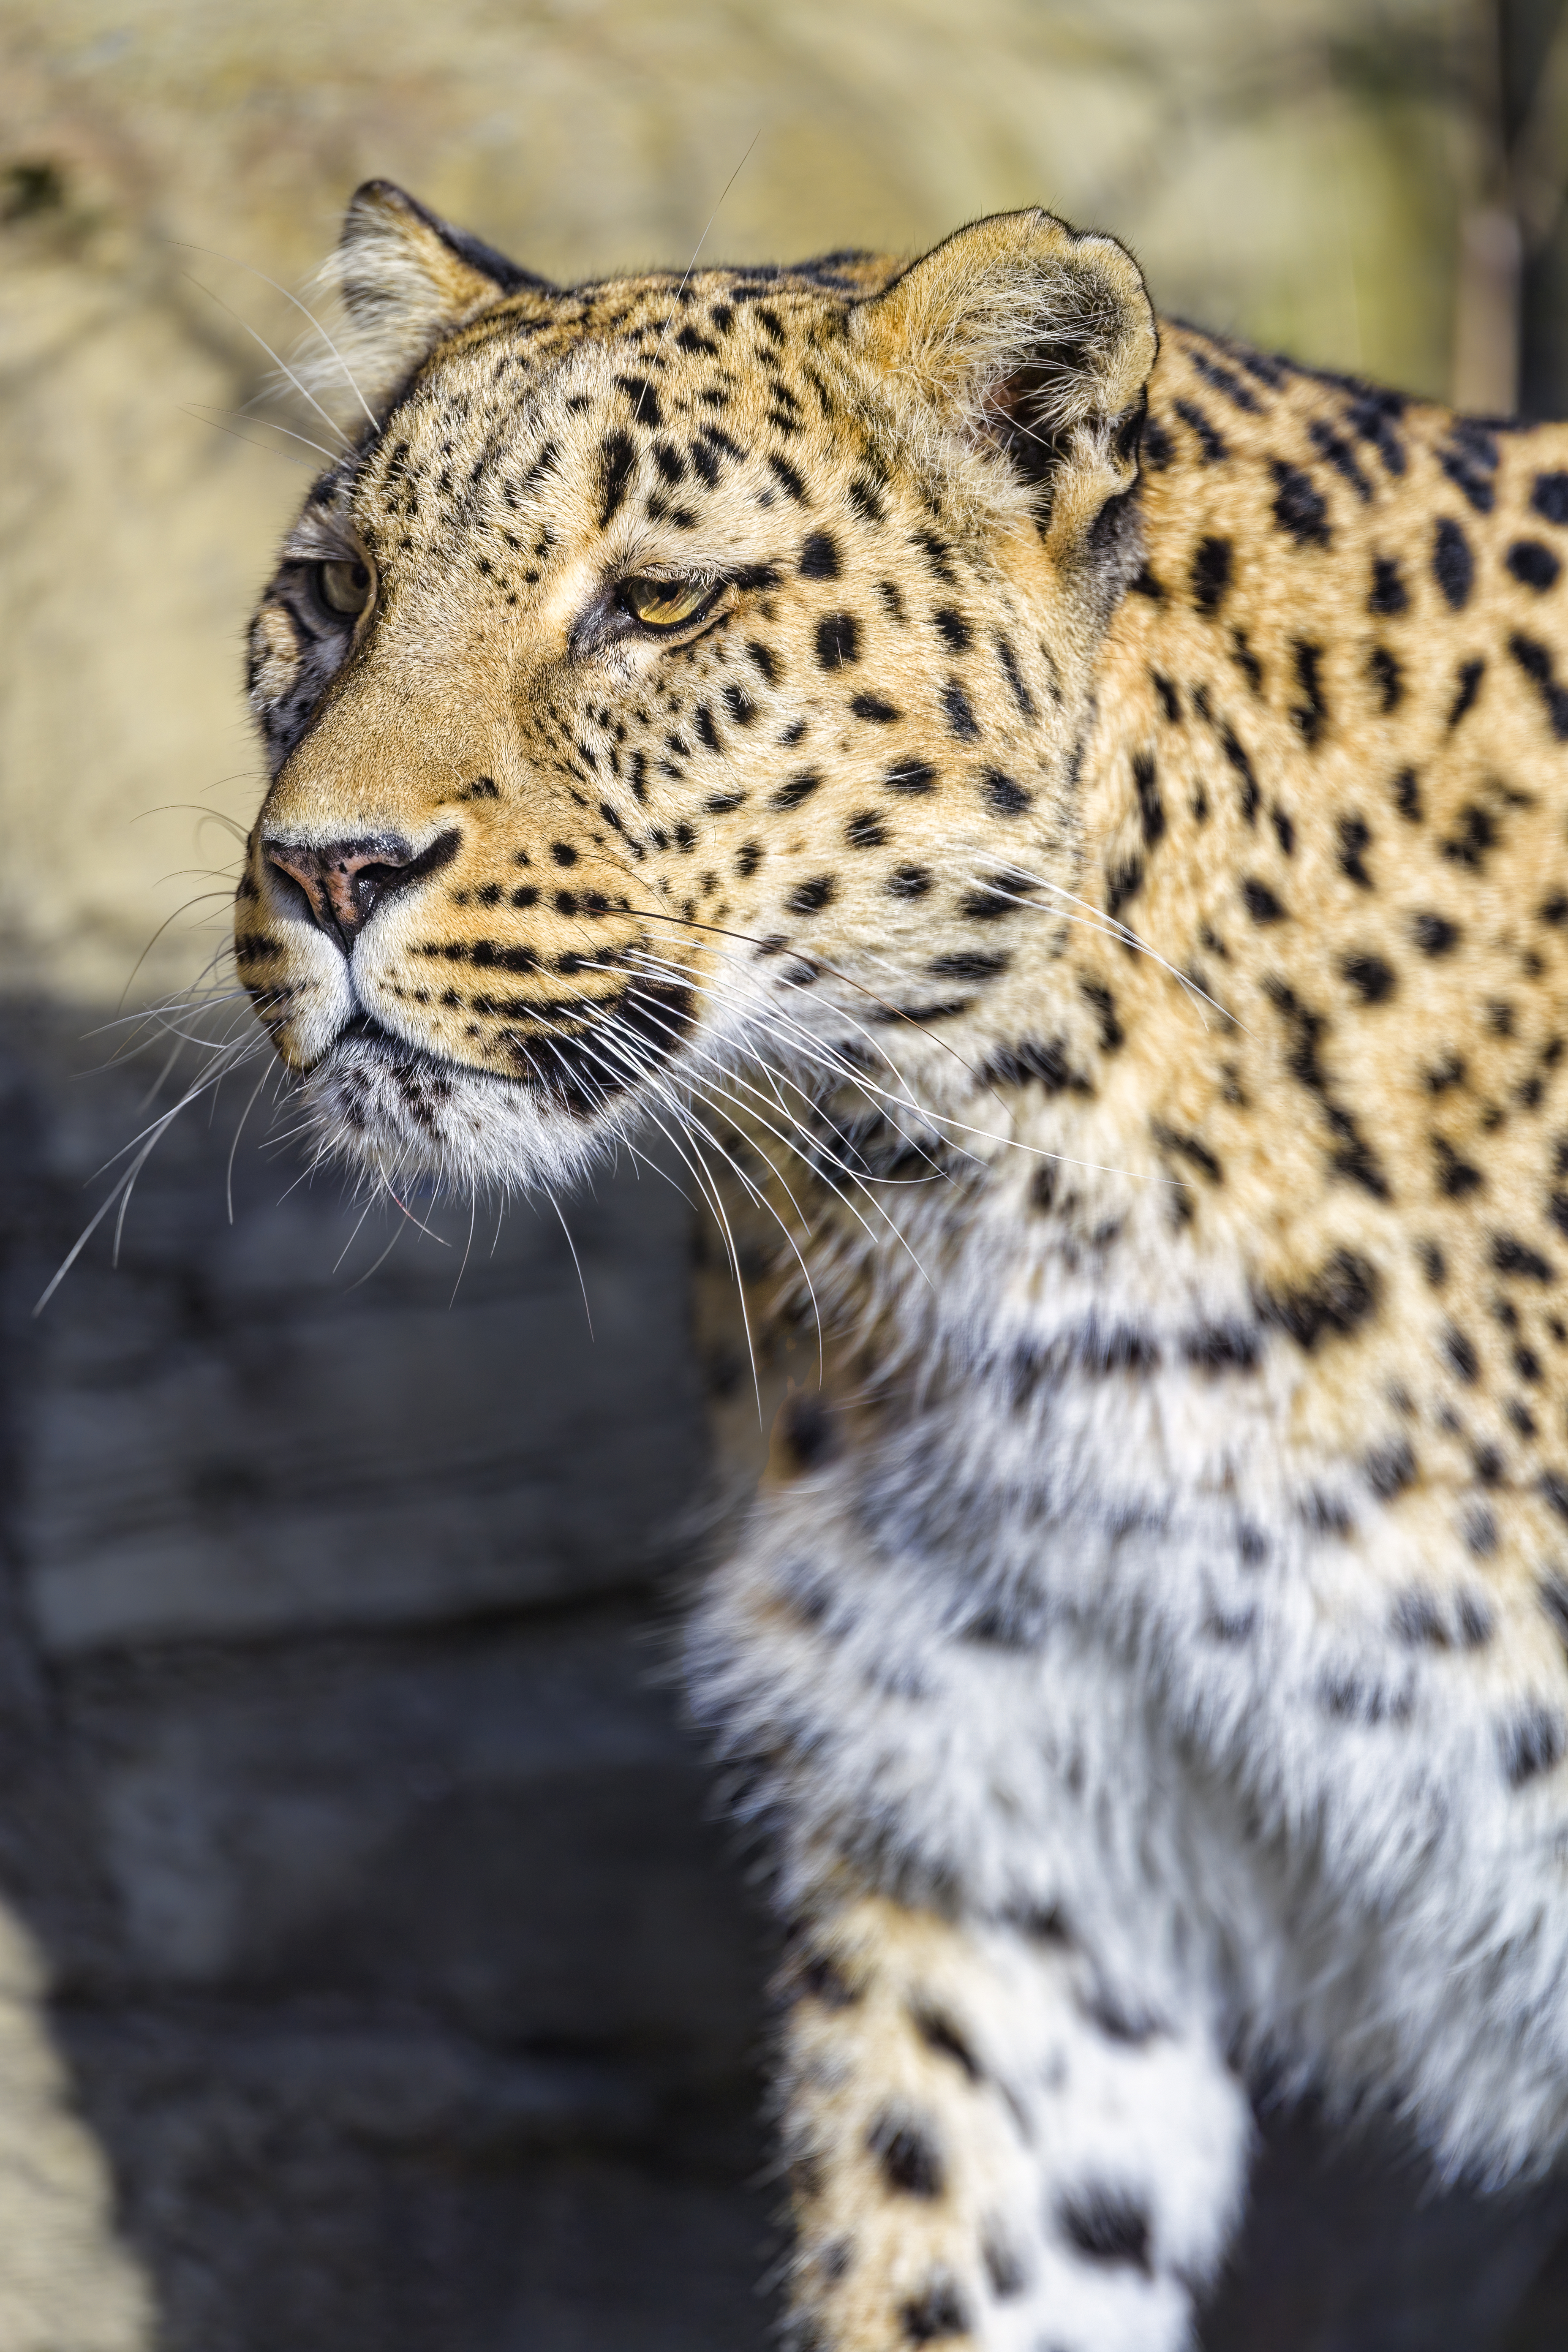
1037 341
406 279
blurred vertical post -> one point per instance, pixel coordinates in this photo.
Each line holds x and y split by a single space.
1511 307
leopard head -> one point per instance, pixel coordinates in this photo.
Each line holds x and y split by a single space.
671 669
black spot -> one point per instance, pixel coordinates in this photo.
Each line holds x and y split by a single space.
953 627
739 705
959 717
643 398
1435 935
1299 507
819 557
1390 1468
1046 1064
1456 1178
1340 455
938 2310
867 831
939 2034
1535 661
820 1978
1467 686
1460 1350
783 472
1188 1148
1223 1347
1531 1745
765 659
1004 2268
1554 1597
810 898
995 899
1150 808
562 852
1157 448
1370 416
1532 563
1389 594
1355 839
1480 1531
1387 677
1344 1293
1513 1256
1374 979
1211 442
1357 1700
795 788
910 776
908 2155
1211 572
1123 882
1102 1003
1260 902
1015 677
838 640
1246 660
1007 798
1107 2225
909 882
1312 710
617 459
1453 562
1470 458
872 708
1237 755
969 966
1550 498
1224 381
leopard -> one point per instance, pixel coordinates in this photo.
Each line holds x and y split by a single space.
1055 822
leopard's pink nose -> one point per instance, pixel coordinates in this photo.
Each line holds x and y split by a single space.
345 881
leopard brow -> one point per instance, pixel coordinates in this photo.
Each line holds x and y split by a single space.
314 540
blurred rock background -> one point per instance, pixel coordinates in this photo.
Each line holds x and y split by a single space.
370 1973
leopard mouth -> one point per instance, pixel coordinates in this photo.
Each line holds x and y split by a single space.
387 1104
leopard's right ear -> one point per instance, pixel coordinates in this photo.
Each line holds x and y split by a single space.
406 280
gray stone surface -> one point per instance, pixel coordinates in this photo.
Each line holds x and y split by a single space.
397 1974
372 1976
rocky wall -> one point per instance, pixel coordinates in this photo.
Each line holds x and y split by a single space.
373 1973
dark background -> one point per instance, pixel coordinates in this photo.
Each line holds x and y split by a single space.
373 1972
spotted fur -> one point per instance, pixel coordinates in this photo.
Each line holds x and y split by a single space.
1088 895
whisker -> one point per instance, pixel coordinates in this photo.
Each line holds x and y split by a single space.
304 312
330 421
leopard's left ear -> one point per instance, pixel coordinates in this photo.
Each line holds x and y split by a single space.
1037 341
406 280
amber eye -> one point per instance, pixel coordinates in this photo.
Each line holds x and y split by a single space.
668 604
343 587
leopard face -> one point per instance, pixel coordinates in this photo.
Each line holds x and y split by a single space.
674 673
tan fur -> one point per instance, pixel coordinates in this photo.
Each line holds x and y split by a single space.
1173 902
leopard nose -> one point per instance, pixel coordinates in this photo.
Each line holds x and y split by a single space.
345 881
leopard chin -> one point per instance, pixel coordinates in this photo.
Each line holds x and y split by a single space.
376 1104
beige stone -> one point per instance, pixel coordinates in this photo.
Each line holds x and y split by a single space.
1260 192
66 2285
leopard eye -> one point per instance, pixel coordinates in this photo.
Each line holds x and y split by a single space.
343 587
668 604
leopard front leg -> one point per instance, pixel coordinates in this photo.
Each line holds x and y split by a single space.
981 2151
